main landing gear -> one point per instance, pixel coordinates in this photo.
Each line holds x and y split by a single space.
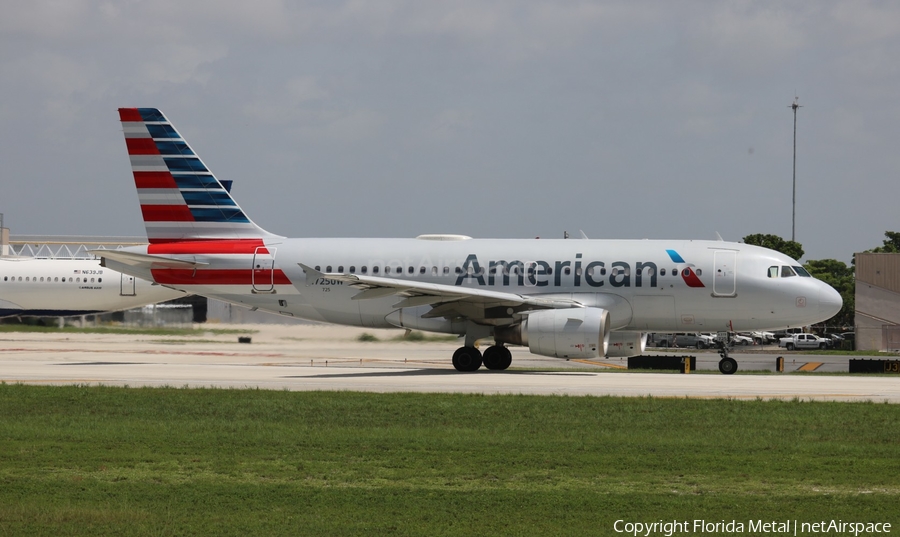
727 366
496 357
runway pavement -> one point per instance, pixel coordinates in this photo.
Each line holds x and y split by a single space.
312 357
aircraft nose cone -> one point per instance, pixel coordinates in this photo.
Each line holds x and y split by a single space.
830 302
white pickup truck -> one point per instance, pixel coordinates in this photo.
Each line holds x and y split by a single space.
803 341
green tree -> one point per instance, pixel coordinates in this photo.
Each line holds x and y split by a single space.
840 276
891 244
791 249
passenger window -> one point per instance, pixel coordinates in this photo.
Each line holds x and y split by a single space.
99 280
328 268
567 271
699 272
411 270
374 269
458 270
352 269
421 270
318 268
434 271
787 271
446 270
340 268
662 272
773 272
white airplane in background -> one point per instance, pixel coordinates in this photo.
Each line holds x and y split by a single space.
31 287
561 298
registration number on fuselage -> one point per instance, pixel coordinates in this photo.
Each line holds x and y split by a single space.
326 281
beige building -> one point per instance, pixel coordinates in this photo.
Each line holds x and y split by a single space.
878 301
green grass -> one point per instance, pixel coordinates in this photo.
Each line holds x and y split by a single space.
416 336
413 336
119 461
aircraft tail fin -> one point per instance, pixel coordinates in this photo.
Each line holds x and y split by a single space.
181 200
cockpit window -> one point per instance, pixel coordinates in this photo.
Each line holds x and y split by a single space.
787 271
773 272
802 272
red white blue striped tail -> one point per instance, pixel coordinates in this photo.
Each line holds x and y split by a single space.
181 200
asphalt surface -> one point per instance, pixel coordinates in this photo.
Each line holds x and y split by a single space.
331 358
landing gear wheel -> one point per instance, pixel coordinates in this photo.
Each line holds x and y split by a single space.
497 358
467 359
727 366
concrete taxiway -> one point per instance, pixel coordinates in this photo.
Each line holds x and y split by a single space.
315 357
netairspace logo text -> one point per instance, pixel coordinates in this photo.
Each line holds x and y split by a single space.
754 527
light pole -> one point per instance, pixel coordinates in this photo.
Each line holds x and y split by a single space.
794 106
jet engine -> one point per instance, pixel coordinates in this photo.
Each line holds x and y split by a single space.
625 344
561 333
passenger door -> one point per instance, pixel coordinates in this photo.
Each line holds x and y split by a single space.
263 270
127 286
725 275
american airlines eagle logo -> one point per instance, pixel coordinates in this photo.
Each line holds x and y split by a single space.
687 272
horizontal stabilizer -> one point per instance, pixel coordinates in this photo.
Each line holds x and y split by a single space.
137 260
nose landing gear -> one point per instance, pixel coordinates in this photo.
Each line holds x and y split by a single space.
727 366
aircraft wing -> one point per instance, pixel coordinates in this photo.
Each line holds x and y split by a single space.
447 300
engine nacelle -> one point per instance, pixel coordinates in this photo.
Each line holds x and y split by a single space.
561 333
625 344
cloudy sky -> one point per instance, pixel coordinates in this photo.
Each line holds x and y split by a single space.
632 119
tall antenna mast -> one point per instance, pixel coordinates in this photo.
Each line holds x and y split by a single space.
794 106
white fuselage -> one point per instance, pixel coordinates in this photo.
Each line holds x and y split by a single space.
713 285
64 287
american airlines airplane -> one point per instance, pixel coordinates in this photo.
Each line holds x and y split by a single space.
561 298
64 287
